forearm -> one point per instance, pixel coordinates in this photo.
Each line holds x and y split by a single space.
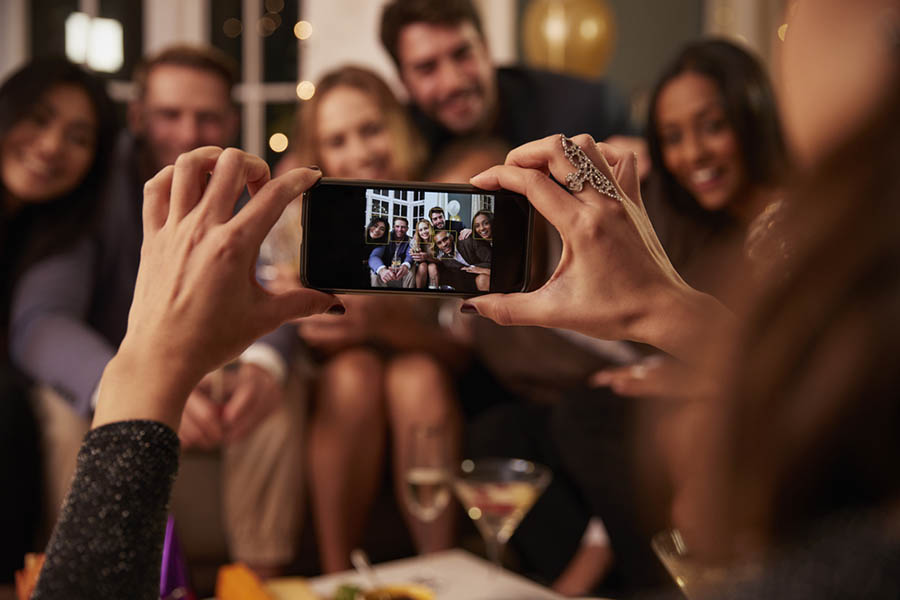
108 540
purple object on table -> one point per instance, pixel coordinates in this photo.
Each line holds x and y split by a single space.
173 579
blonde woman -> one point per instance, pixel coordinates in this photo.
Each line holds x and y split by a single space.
383 367
423 254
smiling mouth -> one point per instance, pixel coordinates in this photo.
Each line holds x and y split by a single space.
702 177
38 168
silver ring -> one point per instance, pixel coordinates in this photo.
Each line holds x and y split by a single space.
587 171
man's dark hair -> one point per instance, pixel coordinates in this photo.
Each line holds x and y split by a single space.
404 219
436 209
400 13
202 58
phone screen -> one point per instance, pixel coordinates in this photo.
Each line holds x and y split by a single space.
370 236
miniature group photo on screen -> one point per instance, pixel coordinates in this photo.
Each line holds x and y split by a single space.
429 240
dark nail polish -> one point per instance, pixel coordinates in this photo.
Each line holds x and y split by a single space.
468 309
337 309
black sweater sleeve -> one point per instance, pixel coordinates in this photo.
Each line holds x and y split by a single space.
108 541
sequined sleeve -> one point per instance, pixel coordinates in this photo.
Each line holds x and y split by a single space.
108 541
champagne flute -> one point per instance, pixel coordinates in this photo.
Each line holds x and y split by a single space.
427 489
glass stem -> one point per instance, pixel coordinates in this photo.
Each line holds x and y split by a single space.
495 550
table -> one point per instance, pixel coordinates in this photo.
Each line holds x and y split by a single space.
452 574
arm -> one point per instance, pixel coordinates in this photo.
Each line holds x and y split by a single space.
49 337
376 259
194 309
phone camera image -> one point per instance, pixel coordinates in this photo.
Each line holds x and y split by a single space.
414 238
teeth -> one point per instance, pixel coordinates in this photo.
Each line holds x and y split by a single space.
702 176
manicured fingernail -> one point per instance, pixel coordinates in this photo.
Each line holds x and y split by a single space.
468 309
314 167
337 309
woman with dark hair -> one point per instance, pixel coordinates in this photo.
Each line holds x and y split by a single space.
786 459
376 230
718 155
56 132
482 225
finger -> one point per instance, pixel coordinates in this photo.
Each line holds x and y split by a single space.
515 309
234 171
203 413
192 436
156 200
191 172
237 414
298 303
547 154
557 205
258 217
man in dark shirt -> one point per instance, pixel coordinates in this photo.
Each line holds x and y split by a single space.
455 90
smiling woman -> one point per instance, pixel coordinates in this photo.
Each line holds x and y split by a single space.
718 155
56 131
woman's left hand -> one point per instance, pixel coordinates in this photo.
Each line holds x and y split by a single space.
197 303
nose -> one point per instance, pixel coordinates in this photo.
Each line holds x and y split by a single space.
189 133
358 150
50 141
694 148
451 77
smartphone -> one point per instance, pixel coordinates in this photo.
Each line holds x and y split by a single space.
363 236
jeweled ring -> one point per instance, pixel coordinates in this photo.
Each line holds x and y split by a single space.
587 171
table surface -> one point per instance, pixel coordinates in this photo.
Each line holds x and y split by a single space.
452 574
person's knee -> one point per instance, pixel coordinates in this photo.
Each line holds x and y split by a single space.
417 386
351 387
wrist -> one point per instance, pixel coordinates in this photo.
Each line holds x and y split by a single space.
680 321
134 385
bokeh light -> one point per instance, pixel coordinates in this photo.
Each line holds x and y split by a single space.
278 142
306 90
232 27
303 29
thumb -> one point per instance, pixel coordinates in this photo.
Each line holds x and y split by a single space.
511 309
299 303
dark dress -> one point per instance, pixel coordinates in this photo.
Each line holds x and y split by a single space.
109 538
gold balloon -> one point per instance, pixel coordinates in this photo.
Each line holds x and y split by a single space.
571 36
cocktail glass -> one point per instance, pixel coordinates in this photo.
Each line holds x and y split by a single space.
694 577
497 493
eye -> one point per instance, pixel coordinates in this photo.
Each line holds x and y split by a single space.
371 129
670 137
715 125
334 142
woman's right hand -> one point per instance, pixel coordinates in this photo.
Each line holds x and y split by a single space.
614 280
196 301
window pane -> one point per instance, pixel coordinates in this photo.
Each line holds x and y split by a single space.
130 14
279 119
280 46
48 26
227 29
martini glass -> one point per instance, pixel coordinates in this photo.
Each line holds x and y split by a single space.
694 577
497 493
